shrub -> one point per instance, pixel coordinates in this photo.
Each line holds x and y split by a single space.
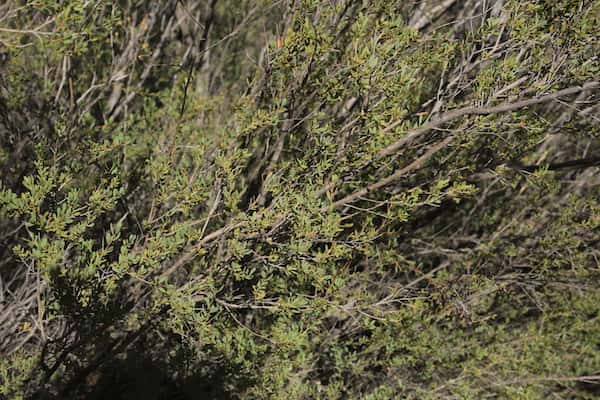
299 199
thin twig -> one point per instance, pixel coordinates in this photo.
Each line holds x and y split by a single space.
196 65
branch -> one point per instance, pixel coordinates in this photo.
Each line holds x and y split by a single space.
191 252
579 163
392 178
443 119
461 112
418 163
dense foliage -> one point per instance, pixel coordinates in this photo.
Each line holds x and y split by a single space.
300 199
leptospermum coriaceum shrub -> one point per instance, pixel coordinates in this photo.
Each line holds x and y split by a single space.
299 199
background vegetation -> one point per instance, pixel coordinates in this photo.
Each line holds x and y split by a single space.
299 199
